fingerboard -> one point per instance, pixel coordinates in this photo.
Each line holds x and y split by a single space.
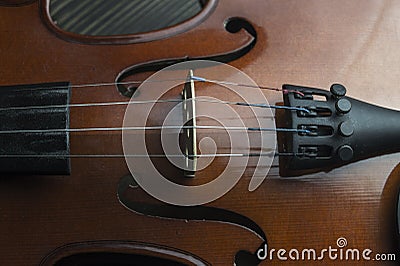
38 152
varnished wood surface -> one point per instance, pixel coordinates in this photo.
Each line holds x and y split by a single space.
305 42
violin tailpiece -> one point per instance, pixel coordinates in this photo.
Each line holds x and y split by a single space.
341 130
38 151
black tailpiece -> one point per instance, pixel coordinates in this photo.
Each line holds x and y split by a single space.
341 130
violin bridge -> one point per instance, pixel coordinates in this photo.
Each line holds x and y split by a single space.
189 132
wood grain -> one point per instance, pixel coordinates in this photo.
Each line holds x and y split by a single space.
307 42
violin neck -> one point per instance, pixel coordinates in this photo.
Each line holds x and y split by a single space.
37 152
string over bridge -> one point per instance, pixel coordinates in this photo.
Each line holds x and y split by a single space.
189 132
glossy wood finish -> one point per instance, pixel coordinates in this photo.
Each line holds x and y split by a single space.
308 42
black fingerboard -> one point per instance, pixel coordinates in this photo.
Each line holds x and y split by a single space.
41 151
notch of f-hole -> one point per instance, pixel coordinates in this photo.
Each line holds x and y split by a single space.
189 131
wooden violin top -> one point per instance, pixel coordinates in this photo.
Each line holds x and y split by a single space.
308 42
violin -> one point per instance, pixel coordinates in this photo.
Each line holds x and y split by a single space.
77 188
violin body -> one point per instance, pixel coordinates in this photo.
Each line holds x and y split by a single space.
45 218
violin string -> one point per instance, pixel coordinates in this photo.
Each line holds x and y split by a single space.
104 84
30 131
264 154
133 82
258 105
221 82
194 78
